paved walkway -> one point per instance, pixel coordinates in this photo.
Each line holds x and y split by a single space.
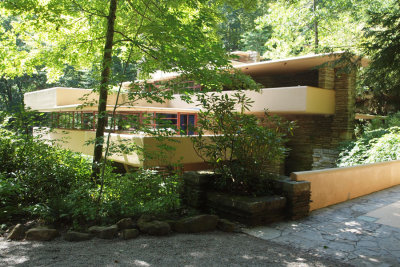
361 232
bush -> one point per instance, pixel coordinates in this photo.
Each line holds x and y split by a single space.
372 146
42 181
240 147
40 175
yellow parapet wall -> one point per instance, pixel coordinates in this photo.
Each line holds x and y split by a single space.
332 186
286 100
76 140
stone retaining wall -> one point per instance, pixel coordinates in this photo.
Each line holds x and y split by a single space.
291 200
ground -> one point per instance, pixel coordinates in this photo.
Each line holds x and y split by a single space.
361 232
208 249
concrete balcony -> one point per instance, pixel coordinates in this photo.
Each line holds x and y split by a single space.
281 100
76 140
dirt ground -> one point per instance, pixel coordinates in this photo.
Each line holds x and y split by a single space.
207 249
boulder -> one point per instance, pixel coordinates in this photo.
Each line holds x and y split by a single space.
109 232
225 225
145 219
196 224
41 234
148 225
129 233
126 223
104 232
73 236
95 230
17 233
156 228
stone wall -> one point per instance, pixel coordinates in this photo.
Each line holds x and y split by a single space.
324 158
312 132
315 140
291 200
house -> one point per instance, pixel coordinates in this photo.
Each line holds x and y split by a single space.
307 89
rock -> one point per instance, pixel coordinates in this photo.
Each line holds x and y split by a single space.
73 236
109 232
196 224
156 228
41 234
104 232
129 233
145 219
126 223
148 225
225 225
17 233
96 229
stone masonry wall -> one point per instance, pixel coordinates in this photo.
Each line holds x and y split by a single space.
324 158
291 200
312 132
316 138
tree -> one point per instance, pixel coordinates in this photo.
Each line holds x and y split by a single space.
238 30
167 35
305 26
382 45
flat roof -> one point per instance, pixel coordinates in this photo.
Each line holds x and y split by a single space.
276 66
290 65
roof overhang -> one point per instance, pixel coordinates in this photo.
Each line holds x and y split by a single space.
293 65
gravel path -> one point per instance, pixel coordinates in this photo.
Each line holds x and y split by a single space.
207 249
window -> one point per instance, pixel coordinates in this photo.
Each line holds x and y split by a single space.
187 123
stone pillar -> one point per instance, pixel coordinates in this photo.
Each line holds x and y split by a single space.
297 194
196 184
326 78
344 118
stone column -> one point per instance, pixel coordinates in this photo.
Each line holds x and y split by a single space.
344 118
326 78
196 184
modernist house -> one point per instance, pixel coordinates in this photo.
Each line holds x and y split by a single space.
306 89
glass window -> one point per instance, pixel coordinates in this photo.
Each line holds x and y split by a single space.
187 123
165 120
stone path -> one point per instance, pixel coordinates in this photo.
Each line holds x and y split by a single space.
361 232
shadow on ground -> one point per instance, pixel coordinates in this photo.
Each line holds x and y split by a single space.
208 249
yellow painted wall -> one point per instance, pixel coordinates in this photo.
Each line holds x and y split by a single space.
75 140
292 100
332 186
320 101
297 100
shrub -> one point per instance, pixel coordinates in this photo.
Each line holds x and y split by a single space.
240 147
372 146
42 181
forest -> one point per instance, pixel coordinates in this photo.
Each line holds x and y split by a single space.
101 44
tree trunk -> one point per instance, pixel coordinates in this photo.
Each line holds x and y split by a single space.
316 40
105 77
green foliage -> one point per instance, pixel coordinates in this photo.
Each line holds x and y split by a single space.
238 29
378 141
38 180
382 45
239 146
305 26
